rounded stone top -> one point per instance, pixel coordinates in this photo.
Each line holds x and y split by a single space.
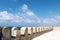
5 28
14 28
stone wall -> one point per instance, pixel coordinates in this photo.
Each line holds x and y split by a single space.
23 33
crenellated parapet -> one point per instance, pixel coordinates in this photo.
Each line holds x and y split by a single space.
23 33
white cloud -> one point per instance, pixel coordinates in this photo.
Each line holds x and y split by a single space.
49 21
27 17
57 17
52 21
4 15
30 13
24 8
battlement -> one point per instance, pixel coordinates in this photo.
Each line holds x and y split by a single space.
23 33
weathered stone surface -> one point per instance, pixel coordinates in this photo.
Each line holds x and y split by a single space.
18 37
23 33
6 33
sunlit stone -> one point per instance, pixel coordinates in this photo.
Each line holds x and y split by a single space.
13 31
34 30
29 30
22 30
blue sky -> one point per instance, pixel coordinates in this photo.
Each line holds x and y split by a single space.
29 12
